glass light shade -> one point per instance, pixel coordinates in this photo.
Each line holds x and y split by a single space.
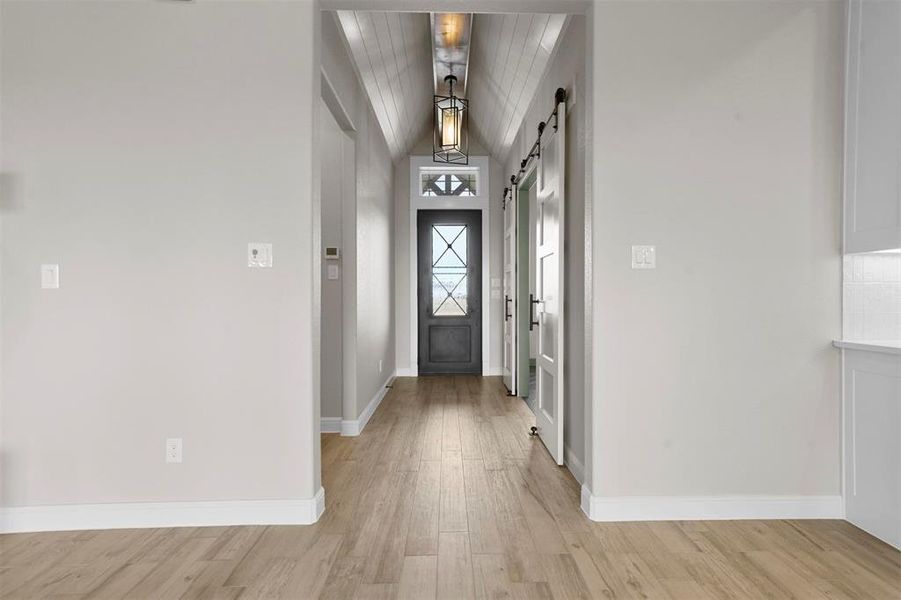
450 127
450 143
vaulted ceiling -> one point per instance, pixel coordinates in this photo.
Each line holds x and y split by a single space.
393 55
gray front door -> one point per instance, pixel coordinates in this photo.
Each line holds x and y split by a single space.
450 291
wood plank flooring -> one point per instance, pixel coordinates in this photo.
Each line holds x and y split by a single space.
444 495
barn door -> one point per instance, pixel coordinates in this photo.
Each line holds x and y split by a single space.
547 307
510 250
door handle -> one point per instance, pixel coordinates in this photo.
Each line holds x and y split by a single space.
507 301
532 302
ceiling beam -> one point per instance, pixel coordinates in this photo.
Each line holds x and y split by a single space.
466 6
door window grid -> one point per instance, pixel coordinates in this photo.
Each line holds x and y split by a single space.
448 184
450 289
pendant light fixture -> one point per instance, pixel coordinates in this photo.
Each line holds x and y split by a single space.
450 140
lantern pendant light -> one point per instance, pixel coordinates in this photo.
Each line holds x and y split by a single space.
451 144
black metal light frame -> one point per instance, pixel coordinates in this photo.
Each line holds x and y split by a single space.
453 109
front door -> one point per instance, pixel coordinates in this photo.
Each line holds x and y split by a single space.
450 291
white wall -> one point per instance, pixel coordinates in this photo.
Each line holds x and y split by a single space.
718 138
368 243
146 143
566 70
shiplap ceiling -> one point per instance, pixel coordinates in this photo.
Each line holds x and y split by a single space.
508 57
393 55
510 54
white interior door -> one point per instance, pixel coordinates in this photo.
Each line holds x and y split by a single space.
548 306
510 250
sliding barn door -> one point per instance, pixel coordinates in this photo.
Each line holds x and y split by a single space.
548 305
510 283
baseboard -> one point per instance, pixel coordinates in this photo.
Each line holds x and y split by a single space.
330 425
407 372
574 465
355 427
127 515
492 371
694 508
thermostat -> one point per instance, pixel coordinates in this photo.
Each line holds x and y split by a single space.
332 253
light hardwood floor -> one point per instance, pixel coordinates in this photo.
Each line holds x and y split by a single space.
444 495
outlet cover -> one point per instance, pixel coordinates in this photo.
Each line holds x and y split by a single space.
49 277
173 450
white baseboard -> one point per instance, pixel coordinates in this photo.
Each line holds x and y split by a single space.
330 425
128 515
407 372
492 372
694 508
574 465
355 427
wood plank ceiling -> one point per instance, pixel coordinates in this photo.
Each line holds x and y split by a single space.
393 55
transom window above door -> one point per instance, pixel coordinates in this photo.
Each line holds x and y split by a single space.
462 183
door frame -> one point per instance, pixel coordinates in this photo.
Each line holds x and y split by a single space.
480 203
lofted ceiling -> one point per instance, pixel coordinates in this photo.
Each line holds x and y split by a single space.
508 56
393 55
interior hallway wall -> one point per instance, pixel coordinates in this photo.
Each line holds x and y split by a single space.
144 144
718 139
334 178
566 70
367 263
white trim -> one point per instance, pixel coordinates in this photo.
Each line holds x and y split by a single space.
353 428
128 515
574 465
406 372
694 508
488 371
479 202
330 425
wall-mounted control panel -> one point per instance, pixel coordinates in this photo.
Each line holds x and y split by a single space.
332 253
644 257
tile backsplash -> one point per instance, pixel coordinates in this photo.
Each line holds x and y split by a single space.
871 296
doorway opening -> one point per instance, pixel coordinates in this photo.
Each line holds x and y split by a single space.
527 340
449 291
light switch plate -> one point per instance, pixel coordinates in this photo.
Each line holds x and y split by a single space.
49 277
259 255
644 257
333 272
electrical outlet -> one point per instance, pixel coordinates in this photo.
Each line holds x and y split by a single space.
173 450
49 277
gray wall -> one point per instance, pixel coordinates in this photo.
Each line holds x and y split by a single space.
144 145
566 70
718 130
332 142
368 239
